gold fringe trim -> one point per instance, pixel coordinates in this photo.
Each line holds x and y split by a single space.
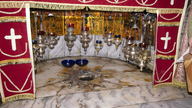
169 24
179 84
12 19
174 82
14 61
155 87
64 6
17 97
165 57
117 9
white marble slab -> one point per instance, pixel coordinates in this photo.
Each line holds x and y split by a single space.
120 74
131 97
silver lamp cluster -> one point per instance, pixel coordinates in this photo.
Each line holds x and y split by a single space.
141 52
50 40
137 52
109 39
43 40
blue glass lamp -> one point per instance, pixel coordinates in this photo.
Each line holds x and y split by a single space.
82 62
68 63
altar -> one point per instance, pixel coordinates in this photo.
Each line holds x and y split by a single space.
124 86
127 43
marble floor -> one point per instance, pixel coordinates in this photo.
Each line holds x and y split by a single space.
124 86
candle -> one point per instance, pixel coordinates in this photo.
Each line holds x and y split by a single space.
70 25
85 28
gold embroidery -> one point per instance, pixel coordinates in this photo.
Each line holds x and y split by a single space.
175 83
179 84
169 24
17 97
165 57
56 6
59 6
11 4
167 51
12 19
117 8
170 10
169 19
155 87
14 61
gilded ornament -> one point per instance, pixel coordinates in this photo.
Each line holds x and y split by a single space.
168 24
12 19
14 61
165 57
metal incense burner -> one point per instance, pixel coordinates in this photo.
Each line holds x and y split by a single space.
98 45
85 39
70 37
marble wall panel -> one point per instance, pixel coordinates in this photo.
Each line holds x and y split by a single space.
61 50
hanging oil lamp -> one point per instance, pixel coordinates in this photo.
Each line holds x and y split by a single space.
108 38
98 45
52 38
117 41
109 34
70 37
85 39
127 48
144 56
41 43
133 52
135 31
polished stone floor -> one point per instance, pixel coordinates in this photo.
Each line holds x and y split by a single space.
124 86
